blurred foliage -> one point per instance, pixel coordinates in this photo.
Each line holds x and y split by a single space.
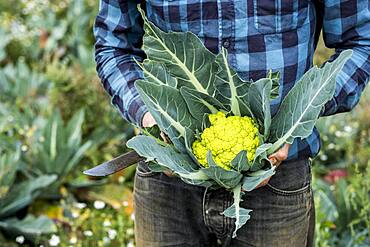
16 195
343 211
56 120
341 172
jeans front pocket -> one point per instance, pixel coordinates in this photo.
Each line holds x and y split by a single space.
280 15
291 178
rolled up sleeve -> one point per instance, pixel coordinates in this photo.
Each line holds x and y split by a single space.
118 32
346 25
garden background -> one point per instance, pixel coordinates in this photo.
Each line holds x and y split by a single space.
56 120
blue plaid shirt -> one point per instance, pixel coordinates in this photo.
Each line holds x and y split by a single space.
259 35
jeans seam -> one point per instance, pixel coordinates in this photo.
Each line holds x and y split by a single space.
229 220
205 217
224 219
289 193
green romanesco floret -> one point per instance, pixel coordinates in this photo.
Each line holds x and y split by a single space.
226 137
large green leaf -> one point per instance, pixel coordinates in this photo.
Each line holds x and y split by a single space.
241 215
9 162
260 157
275 77
189 139
240 163
225 178
22 194
74 128
232 90
30 226
200 103
300 109
184 56
156 73
252 179
259 102
181 164
169 110
62 148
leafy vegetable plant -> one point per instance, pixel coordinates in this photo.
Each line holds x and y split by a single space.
16 196
187 87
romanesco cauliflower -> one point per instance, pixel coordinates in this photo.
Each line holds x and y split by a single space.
226 137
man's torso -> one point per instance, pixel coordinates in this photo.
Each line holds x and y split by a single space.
259 36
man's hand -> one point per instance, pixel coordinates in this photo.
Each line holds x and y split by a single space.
149 121
276 159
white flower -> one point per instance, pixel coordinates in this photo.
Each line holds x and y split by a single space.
324 157
338 133
19 239
54 240
331 146
132 217
107 223
347 128
130 244
73 240
99 204
88 233
41 139
130 231
121 179
75 214
106 240
112 233
24 148
125 203
80 205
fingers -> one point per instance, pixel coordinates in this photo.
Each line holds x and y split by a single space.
164 137
279 156
263 183
148 120
169 173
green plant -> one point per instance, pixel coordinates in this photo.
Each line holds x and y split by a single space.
16 196
345 138
343 211
23 87
3 43
72 88
183 88
61 147
42 30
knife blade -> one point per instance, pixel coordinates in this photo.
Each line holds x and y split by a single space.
112 166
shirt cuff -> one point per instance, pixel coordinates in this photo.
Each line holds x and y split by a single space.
136 113
329 108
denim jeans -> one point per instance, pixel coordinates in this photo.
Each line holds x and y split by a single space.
169 212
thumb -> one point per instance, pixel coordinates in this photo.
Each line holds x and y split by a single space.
148 120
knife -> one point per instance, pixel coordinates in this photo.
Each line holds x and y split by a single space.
112 166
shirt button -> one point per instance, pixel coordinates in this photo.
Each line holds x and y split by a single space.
226 43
